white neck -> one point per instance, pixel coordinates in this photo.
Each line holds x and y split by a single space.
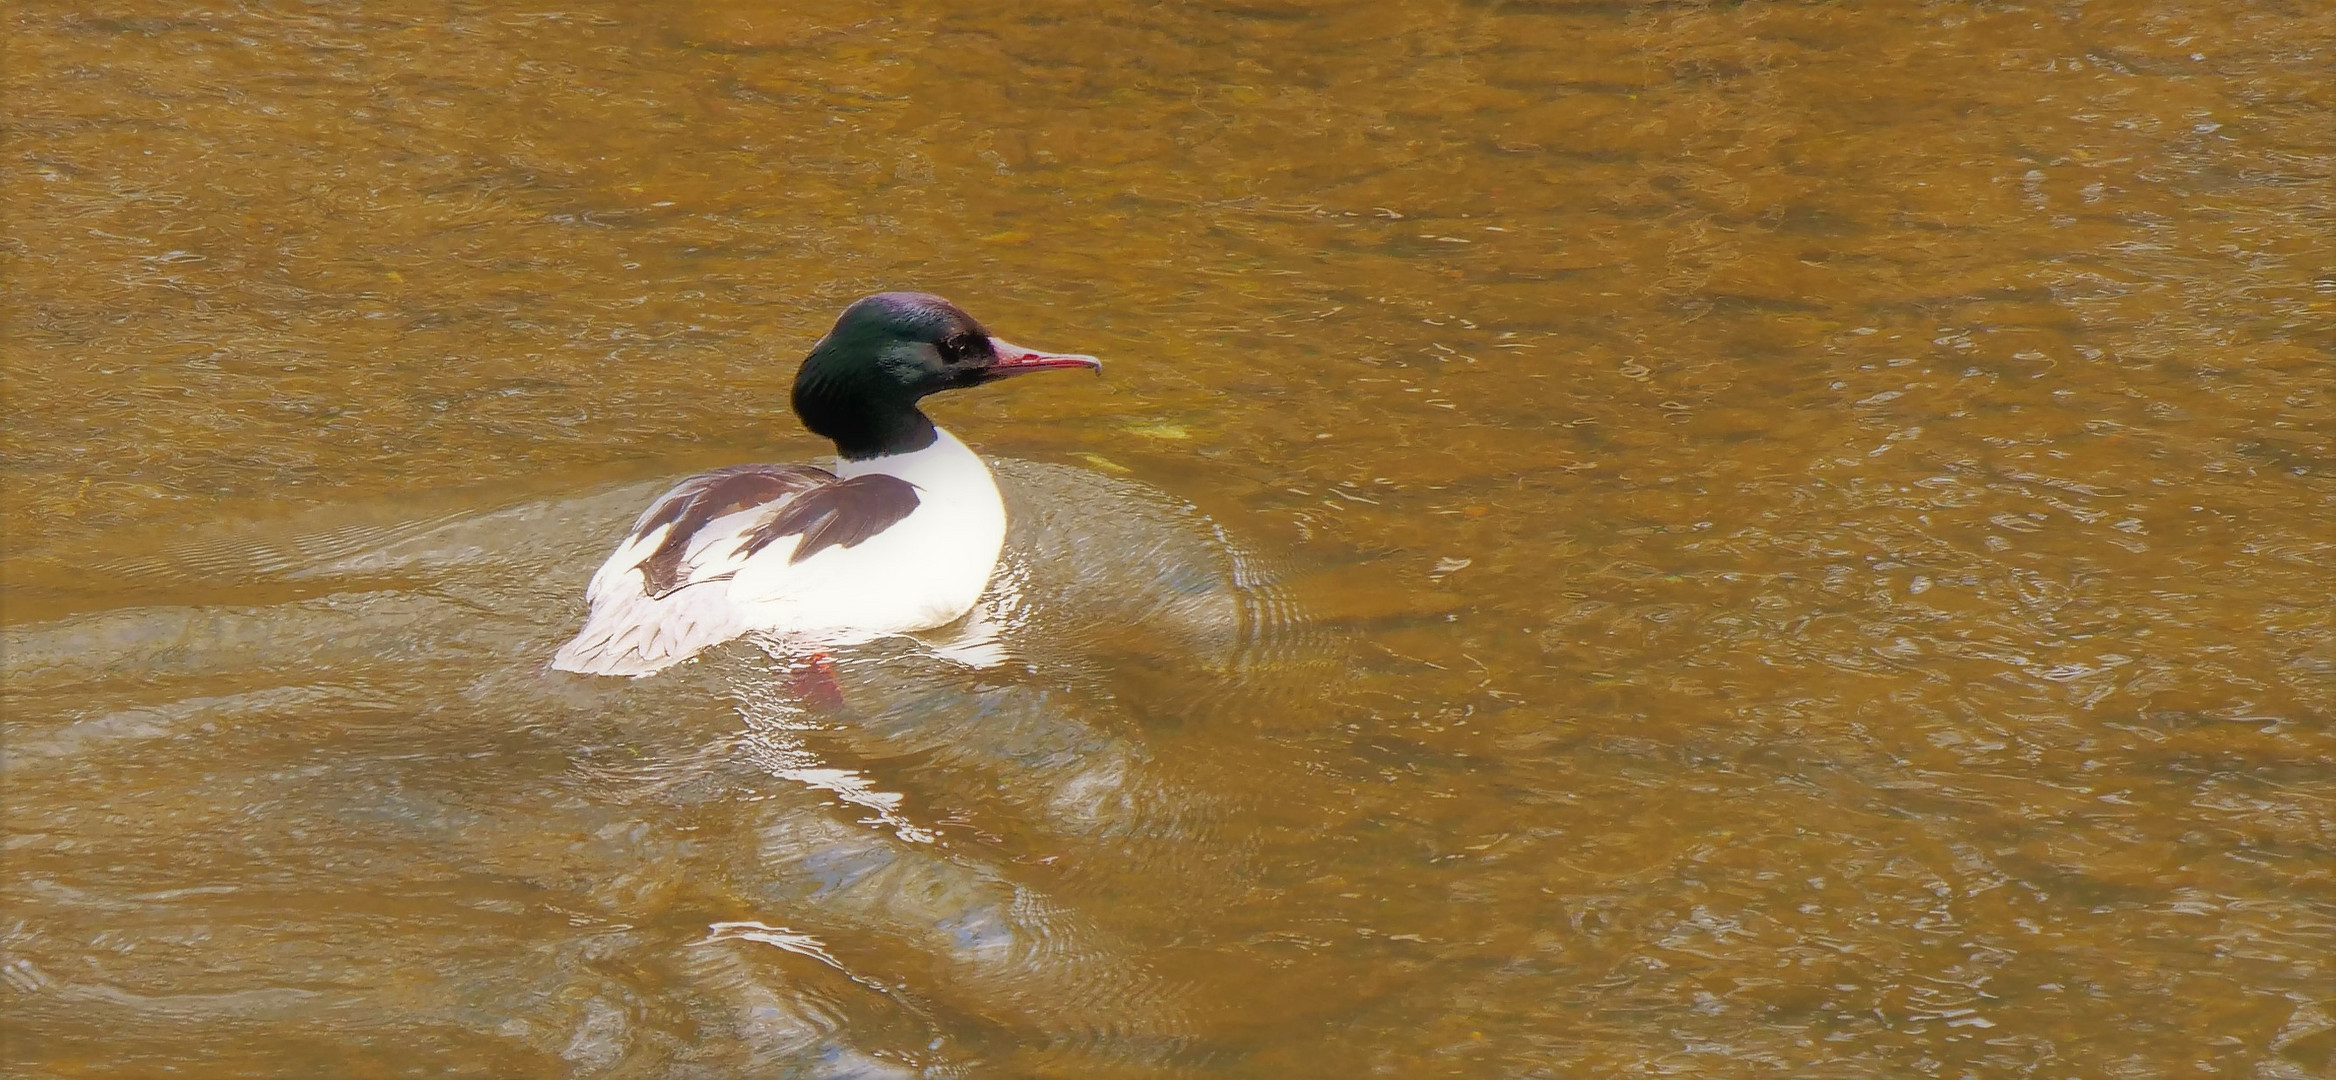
946 468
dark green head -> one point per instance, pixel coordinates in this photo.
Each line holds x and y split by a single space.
861 384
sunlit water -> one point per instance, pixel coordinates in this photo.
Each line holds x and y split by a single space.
1616 539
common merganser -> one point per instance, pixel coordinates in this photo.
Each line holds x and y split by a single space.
901 537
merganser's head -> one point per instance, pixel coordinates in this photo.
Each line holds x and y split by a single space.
861 384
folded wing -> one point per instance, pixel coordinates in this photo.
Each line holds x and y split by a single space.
839 514
660 597
684 512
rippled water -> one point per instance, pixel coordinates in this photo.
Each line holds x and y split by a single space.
1617 539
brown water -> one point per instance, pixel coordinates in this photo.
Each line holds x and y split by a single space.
1765 539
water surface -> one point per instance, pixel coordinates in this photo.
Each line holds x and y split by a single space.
1618 539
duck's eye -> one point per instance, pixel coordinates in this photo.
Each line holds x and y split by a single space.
956 349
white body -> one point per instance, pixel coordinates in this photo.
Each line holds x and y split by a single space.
923 571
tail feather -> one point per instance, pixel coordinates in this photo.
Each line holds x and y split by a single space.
634 635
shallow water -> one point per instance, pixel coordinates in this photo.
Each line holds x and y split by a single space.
1616 539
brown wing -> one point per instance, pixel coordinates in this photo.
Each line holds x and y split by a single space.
838 514
704 497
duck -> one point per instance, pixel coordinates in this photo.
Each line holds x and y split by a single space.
902 535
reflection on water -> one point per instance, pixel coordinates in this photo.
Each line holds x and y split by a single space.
1810 524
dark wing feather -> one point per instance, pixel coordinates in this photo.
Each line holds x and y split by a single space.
704 497
839 514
